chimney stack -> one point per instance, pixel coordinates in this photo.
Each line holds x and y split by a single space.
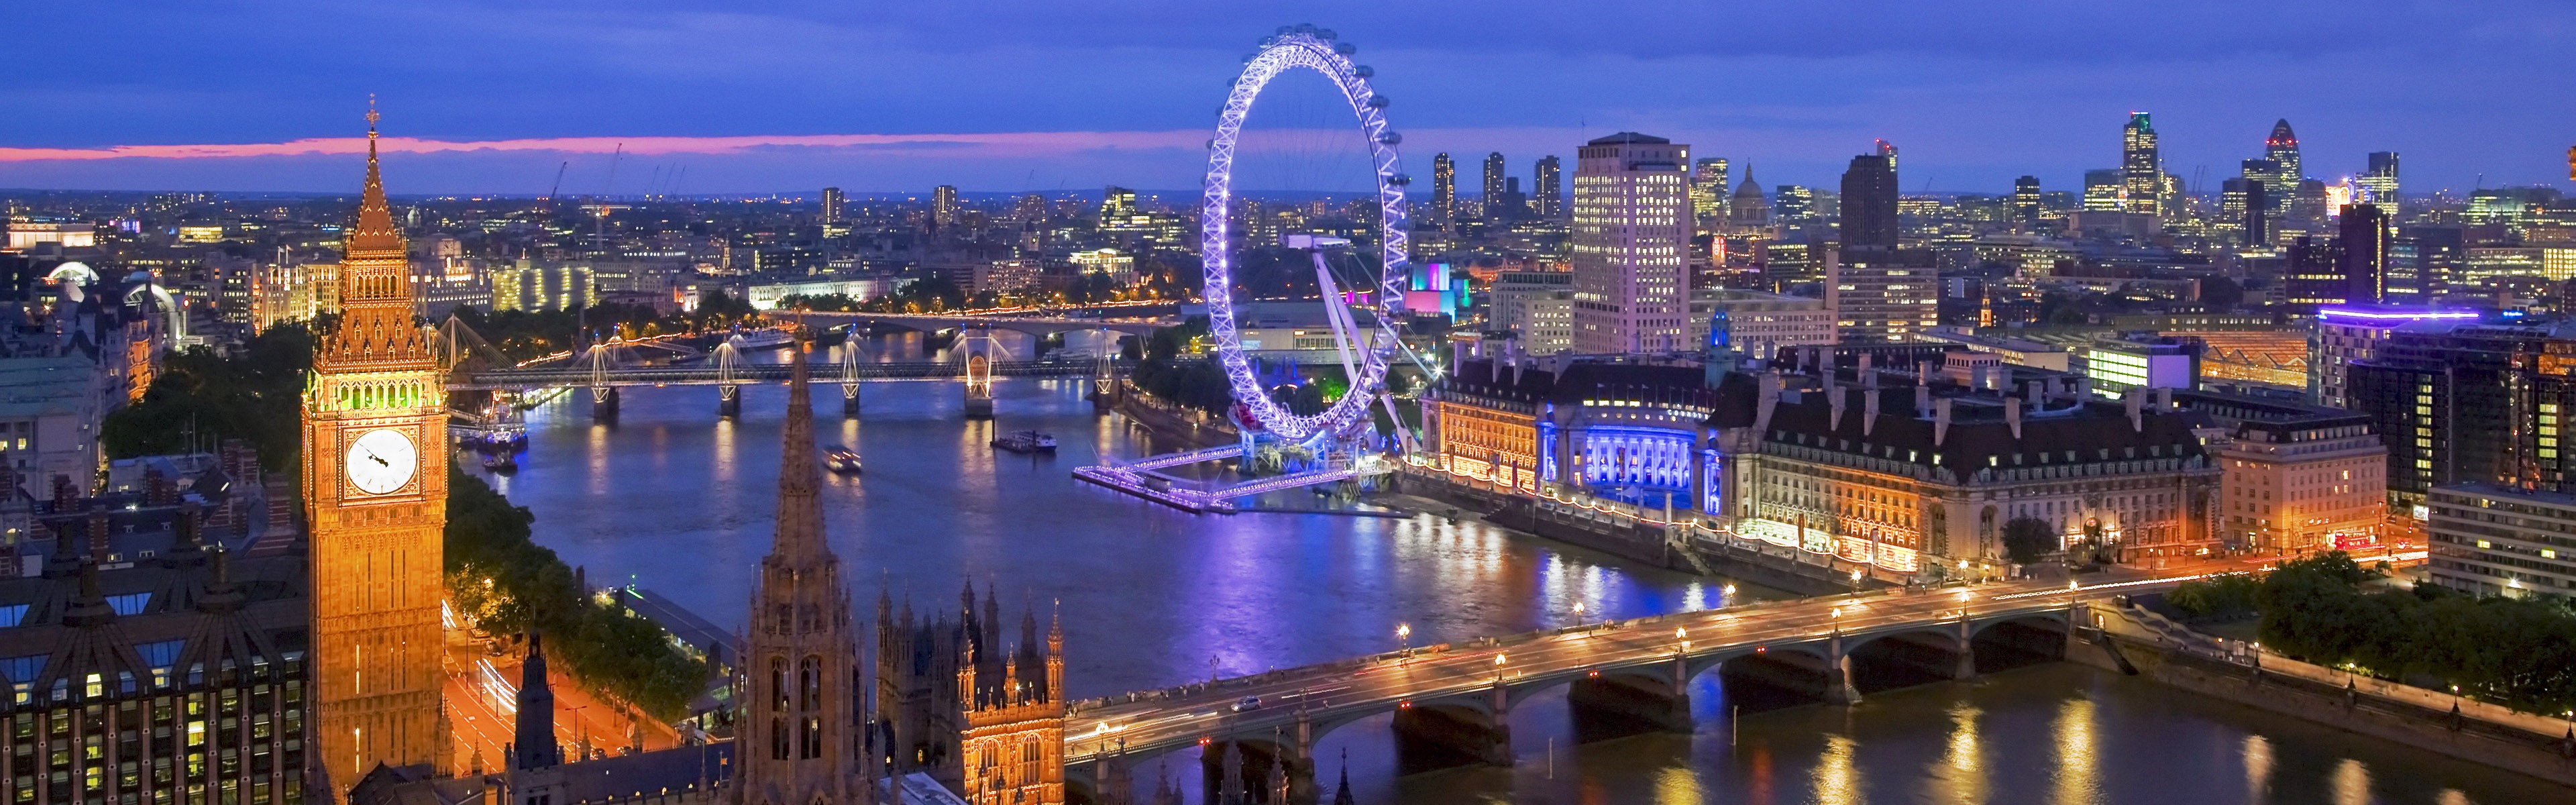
2012 416
2133 400
2164 400
1767 399
1940 421
1834 400
1922 401
1869 411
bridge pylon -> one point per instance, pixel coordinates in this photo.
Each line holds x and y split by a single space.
850 379
603 403
979 373
728 390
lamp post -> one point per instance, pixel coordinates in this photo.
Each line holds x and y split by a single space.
1499 660
1404 638
1578 613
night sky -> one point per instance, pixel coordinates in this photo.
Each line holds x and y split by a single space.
1041 95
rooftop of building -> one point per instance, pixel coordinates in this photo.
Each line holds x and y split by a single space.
2498 491
1629 137
47 386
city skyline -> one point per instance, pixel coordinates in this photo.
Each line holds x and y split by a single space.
1071 99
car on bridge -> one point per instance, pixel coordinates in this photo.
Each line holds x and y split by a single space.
1247 704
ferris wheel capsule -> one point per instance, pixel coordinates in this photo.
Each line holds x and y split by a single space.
1378 102
1345 48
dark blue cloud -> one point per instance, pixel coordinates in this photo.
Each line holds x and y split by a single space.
1975 92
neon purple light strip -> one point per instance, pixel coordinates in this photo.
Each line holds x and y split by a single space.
2423 316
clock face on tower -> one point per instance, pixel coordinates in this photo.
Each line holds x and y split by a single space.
381 461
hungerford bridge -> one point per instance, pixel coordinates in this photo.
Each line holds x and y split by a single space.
1452 704
471 364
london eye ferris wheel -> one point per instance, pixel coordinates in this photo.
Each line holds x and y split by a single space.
1363 349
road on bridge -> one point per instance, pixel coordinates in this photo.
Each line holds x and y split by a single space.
1153 724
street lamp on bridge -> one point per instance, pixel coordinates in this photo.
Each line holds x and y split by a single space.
1404 638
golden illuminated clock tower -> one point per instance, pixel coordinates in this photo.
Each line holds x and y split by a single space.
375 491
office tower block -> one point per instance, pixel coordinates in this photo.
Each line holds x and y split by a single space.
1548 195
2102 190
2381 180
832 205
2141 169
2315 273
1869 203
1444 192
2282 148
2364 253
945 210
1632 228
2025 200
1709 191
2245 203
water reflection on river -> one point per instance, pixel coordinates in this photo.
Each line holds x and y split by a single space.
680 501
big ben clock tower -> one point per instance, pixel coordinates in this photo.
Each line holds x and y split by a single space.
375 488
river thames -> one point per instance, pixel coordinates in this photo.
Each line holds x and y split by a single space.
678 501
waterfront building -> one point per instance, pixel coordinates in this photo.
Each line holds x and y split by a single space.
1547 191
1881 468
1485 420
1538 305
375 491
2141 169
2297 478
1006 276
1632 432
2494 539
2465 402
2350 334
538 287
1632 228
1119 267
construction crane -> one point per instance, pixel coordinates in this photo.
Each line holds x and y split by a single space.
546 208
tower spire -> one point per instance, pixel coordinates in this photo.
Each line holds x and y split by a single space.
800 511
375 231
